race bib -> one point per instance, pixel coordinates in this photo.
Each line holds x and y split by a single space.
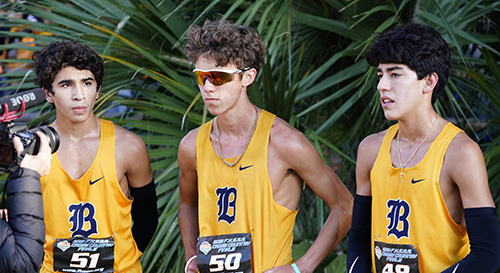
395 258
225 253
84 255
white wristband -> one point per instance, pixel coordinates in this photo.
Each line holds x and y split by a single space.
296 268
188 262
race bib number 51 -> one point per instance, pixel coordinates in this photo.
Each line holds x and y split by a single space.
225 253
84 255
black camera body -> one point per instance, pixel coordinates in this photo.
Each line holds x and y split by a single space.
31 142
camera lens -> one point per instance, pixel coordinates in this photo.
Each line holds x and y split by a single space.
52 136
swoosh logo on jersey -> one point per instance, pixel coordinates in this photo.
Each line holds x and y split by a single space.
413 181
455 270
246 167
353 264
95 181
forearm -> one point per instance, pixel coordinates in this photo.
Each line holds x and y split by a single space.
484 235
334 229
188 224
358 248
145 214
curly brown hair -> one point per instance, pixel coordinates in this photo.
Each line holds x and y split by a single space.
227 43
57 55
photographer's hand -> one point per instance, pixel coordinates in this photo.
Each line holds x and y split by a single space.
41 161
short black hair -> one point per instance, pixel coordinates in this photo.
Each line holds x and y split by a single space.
57 55
420 47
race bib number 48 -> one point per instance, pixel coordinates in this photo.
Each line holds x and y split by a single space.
225 253
395 258
84 255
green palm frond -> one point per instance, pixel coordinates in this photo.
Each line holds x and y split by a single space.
315 77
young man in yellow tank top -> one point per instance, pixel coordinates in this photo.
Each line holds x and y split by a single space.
96 185
241 173
422 199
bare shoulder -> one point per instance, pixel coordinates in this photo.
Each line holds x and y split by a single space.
368 148
372 142
190 138
463 154
292 158
186 158
187 146
462 145
127 140
464 166
285 138
290 150
132 159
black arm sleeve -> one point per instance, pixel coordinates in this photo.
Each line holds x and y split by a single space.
484 235
359 245
22 238
145 214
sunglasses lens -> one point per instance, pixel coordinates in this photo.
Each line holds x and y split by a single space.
215 77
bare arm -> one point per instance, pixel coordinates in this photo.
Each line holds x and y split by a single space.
324 182
358 249
133 166
135 177
188 197
367 154
465 168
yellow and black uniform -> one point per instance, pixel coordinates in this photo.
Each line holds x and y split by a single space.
412 230
88 220
237 212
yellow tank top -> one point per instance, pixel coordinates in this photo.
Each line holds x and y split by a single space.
410 220
92 206
239 199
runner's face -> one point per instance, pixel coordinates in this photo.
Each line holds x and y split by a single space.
74 94
400 90
219 99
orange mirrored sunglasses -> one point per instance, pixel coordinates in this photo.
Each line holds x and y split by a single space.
216 77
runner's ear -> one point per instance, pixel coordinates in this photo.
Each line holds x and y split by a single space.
431 81
249 77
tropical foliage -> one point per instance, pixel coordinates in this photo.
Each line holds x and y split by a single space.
315 77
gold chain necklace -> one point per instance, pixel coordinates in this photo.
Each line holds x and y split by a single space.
248 141
415 152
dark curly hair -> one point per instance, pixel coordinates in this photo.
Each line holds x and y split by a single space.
420 47
57 55
227 43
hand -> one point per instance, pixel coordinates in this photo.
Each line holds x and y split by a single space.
4 212
282 269
192 267
40 162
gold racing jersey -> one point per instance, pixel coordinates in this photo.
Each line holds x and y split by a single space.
88 220
239 221
412 230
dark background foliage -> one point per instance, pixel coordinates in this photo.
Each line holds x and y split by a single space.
315 76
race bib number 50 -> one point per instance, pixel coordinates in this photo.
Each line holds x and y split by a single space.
84 255
225 253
